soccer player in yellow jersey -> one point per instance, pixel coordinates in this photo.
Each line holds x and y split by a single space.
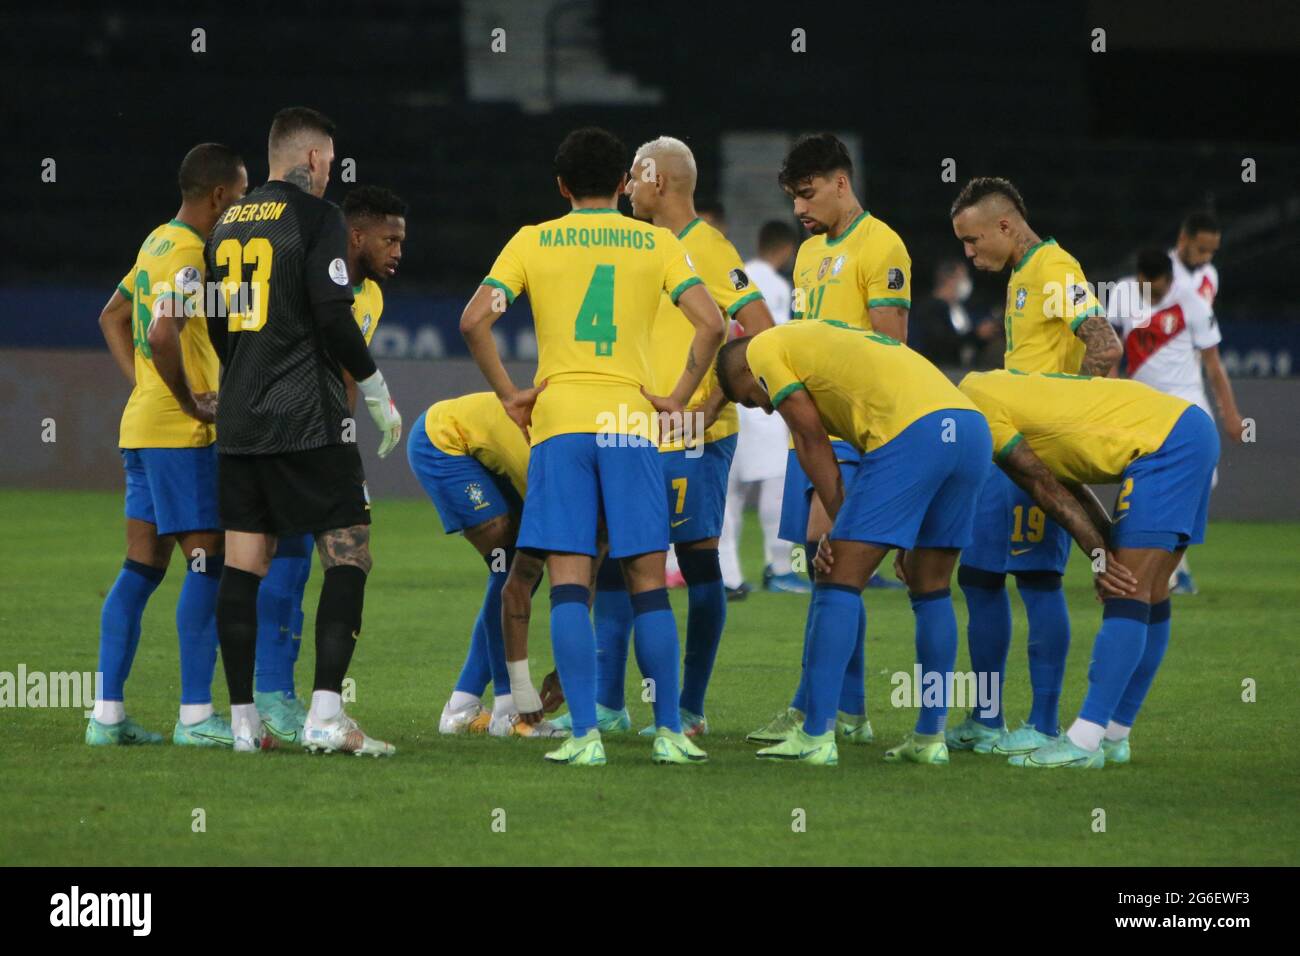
661 187
924 455
167 441
376 225
854 269
594 279
1053 323
472 461
1052 434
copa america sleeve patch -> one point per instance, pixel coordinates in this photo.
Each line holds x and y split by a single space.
339 271
188 280
738 278
1078 294
895 278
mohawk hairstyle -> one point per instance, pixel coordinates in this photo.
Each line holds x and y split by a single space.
983 186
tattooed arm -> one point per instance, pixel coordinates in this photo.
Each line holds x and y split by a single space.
1101 344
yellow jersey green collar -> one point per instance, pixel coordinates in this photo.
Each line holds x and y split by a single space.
853 225
185 225
1049 241
689 226
359 287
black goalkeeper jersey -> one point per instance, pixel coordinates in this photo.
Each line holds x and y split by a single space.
280 389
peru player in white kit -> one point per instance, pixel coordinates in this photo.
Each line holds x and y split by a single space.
1172 336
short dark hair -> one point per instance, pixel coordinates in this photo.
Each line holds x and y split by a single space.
728 357
591 162
818 154
373 202
206 167
982 186
1200 220
1153 263
295 119
774 233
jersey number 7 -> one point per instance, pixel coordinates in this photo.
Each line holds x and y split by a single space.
595 322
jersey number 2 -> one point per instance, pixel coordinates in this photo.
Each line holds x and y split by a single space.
595 322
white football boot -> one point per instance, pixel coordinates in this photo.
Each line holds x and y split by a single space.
458 721
509 725
340 734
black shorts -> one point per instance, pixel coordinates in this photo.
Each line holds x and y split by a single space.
295 492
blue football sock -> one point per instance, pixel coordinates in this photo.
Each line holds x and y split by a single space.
1140 683
705 619
490 616
834 613
196 627
800 700
936 652
613 609
657 650
477 669
1049 644
1115 656
119 623
301 556
274 597
573 643
853 695
988 633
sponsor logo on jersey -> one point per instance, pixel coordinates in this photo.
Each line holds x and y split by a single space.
839 264
738 279
1021 295
688 260
821 269
895 278
762 383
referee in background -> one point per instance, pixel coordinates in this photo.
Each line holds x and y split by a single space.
288 462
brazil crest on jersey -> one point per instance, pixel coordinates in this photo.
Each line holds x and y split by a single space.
1048 298
866 267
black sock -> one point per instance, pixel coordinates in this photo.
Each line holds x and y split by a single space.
338 622
237 630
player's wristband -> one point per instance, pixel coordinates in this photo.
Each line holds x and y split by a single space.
522 690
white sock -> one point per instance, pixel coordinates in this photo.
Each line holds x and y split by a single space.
503 706
1085 734
110 711
243 717
194 713
461 700
325 704
1116 731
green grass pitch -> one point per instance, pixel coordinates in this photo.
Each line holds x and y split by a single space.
1213 780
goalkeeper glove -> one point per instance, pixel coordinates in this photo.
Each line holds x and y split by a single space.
380 405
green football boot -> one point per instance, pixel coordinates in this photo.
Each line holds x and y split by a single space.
778 728
673 747
920 748
693 725
1116 751
1061 752
800 746
212 731
970 734
584 751
126 734
608 721
854 728
282 720
1024 739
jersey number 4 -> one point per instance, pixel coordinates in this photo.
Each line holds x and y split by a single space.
245 298
595 322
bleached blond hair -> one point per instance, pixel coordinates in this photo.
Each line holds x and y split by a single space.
675 157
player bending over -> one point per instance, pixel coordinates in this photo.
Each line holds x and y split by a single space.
288 459
1054 433
923 452
376 221
167 441
594 278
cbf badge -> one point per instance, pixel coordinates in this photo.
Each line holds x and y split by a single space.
475 492
1021 295
821 270
839 264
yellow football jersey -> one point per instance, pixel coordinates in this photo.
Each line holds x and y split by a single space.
594 278
867 387
169 264
367 307
1084 428
840 279
477 425
1047 299
723 273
